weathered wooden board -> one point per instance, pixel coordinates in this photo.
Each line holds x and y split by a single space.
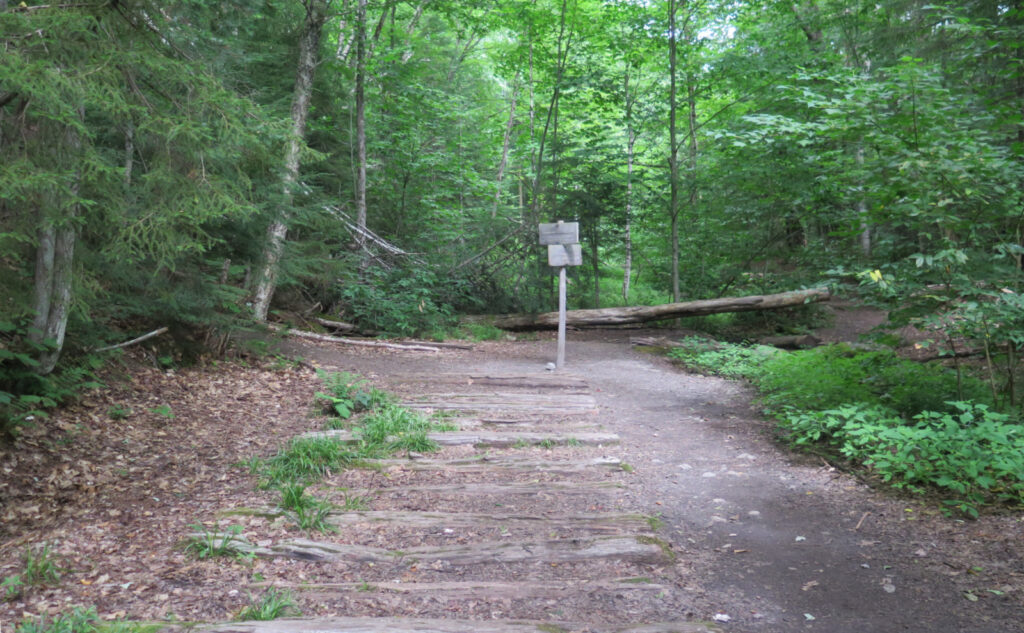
558 233
532 382
491 463
474 590
546 488
596 523
633 549
565 255
565 404
494 439
420 625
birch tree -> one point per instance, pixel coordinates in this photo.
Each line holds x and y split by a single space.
277 231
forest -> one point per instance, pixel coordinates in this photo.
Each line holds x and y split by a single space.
208 166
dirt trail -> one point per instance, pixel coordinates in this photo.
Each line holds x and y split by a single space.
773 541
552 527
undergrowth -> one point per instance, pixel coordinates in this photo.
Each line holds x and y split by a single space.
378 428
917 427
271 604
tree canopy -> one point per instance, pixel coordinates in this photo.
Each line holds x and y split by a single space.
152 159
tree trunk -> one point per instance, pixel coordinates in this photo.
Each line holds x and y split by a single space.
627 264
361 120
644 314
505 145
278 229
673 152
53 276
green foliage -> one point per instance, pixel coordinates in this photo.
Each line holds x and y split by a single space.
12 587
24 394
80 620
306 459
205 543
392 428
974 454
347 394
721 359
118 412
899 418
405 302
41 566
481 332
305 510
271 604
833 375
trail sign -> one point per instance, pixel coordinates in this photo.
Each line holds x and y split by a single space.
562 240
565 255
559 233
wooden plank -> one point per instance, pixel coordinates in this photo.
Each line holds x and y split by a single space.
494 439
478 590
486 463
596 523
632 549
546 488
558 233
545 380
502 397
422 625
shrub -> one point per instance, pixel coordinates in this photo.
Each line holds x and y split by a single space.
347 394
834 375
975 453
721 359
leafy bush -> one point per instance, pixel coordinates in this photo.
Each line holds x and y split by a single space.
976 454
834 375
721 359
24 394
402 302
347 394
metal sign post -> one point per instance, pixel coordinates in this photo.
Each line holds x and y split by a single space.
562 240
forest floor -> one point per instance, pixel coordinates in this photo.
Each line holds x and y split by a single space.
741 534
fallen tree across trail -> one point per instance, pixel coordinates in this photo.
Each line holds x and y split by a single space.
644 314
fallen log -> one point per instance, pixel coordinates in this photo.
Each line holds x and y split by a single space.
349 341
643 314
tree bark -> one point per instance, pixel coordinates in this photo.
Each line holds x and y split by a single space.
673 153
53 275
361 120
505 145
309 43
644 314
627 264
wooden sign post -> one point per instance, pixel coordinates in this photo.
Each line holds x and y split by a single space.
562 240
